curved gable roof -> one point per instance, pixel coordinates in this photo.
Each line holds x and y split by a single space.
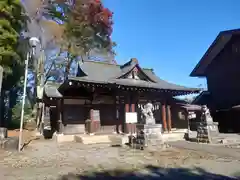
128 67
100 72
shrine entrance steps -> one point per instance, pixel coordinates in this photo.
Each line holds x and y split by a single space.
93 139
113 139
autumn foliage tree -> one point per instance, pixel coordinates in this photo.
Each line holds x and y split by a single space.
76 27
84 25
91 24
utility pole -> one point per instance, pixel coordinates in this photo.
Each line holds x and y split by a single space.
33 43
23 102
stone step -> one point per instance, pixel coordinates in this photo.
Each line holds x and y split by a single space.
118 140
94 139
173 136
60 138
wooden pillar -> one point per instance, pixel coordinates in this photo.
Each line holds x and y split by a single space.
115 128
164 117
89 125
119 118
91 114
133 109
116 116
127 109
169 118
121 114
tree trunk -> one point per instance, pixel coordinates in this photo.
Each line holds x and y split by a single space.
3 129
35 87
35 106
30 97
67 68
2 109
12 96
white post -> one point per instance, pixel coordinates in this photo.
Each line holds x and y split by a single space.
23 103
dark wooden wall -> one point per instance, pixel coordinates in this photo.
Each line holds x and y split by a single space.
223 76
177 122
75 114
108 118
229 121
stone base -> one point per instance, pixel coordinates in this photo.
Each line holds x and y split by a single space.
152 133
118 140
3 133
60 138
92 127
96 139
213 128
10 143
207 131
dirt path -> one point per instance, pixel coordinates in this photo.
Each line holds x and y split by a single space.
49 160
219 150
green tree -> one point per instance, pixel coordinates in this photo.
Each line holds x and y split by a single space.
13 21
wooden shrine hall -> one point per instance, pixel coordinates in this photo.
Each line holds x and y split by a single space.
101 94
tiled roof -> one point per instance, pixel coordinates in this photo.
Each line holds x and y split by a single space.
98 72
51 90
105 73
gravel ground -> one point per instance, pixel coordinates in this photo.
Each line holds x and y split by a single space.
48 160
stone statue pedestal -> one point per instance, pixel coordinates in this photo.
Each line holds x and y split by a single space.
207 131
152 133
213 128
10 143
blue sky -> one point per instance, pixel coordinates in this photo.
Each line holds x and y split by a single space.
170 35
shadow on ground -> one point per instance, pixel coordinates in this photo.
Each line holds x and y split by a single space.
154 173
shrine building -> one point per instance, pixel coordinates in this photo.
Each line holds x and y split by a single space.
104 93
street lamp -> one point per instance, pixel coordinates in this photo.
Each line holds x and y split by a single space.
33 42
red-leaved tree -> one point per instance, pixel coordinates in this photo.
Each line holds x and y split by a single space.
86 25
